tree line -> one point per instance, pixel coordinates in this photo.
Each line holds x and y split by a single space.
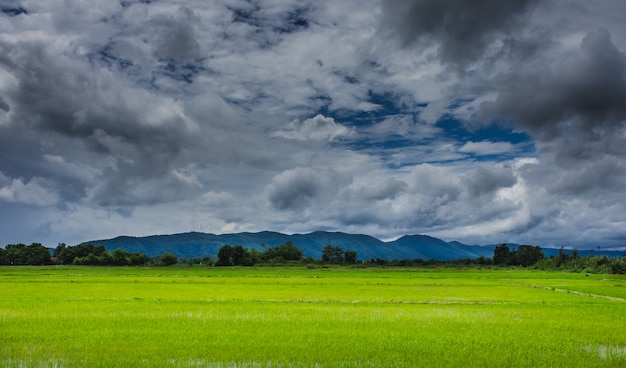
27 255
92 255
84 254
237 255
281 254
528 256
574 262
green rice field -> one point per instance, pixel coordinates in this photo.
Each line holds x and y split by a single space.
300 317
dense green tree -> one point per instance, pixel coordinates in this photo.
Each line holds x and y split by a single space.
225 256
39 255
89 260
22 254
378 262
256 256
106 259
618 266
527 255
290 252
139 259
120 257
59 249
66 255
241 257
501 255
349 256
332 254
562 257
86 254
233 256
168 259
284 252
16 254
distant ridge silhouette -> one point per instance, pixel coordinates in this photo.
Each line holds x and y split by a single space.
197 244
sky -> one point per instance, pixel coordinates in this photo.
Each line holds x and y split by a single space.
482 121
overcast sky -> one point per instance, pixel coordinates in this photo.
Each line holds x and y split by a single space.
483 121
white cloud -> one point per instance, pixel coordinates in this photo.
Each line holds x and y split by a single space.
318 128
188 178
220 199
35 192
487 148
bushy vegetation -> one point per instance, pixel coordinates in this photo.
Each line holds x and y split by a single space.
525 256
573 262
91 255
336 255
281 254
289 254
22 254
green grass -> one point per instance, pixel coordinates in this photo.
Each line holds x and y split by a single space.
299 317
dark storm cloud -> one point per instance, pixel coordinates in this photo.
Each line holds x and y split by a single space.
573 105
487 179
12 8
294 189
596 178
583 92
69 98
135 134
299 187
3 105
386 190
460 29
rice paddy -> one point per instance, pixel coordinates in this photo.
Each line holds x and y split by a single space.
299 317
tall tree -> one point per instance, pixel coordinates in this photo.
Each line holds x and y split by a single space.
225 256
332 254
528 255
284 252
241 256
59 249
349 256
233 256
120 257
168 259
563 257
67 255
501 254
22 254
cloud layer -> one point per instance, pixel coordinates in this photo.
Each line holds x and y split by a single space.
483 122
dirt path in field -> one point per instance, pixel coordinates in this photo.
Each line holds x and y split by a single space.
573 292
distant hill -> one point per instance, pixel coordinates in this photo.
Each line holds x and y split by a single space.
196 244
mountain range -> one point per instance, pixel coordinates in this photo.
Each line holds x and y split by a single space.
197 244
